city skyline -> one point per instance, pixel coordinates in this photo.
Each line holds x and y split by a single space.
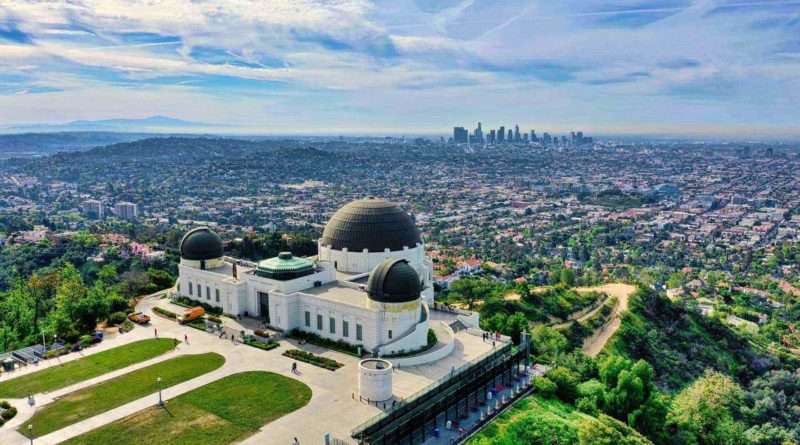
724 68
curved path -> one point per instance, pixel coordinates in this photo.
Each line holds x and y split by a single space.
331 391
597 341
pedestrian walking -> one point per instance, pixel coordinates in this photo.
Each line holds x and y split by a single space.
186 338
175 342
294 368
295 442
493 345
155 331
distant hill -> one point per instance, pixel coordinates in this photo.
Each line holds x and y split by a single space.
152 124
39 144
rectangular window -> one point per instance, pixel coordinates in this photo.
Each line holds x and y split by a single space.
208 293
345 329
216 291
308 319
358 332
390 334
190 288
332 325
319 322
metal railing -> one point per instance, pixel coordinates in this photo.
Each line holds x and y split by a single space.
412 402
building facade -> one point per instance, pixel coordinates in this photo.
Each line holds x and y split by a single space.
370 285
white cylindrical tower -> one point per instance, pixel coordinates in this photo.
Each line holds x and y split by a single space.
375 379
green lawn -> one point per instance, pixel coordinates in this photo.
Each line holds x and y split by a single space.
91 366
223 412
118 391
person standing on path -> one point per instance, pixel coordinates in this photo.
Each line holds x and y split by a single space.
186 338
295 442
155 331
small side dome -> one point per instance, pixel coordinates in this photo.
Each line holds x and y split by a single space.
394 281
201 244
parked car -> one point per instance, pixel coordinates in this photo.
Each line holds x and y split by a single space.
191 314
139 317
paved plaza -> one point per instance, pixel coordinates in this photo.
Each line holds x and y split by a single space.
334 407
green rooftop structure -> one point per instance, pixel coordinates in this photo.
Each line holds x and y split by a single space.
284 267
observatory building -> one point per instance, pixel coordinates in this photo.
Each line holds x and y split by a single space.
370 284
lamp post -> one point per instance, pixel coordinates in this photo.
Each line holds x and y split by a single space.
160 400
30 433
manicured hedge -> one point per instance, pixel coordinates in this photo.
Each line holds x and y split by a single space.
316 360
169 314
314 339
188 302
261 345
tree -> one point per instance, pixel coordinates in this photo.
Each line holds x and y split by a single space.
547 343
704 410
468 290
566 382
515 326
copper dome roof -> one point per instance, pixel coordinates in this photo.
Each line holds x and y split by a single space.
373 224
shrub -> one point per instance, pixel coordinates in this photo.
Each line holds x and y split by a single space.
166 313
261 345
85 340
188 302
127 326
316 360
5 405
2 422
431 337
215 319
261 333
9 413
544 386
314 339
116 318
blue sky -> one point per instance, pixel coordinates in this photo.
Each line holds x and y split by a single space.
717 67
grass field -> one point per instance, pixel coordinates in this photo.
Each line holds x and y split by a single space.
91 366
223 412
118 391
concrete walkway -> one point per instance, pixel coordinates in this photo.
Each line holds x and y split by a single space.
334 407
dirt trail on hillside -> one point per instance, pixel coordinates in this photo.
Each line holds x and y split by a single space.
595 343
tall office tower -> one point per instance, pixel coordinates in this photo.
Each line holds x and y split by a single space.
492 136
460 135
546 139
93 209
479 134
510 136
770 152
589 140
126 210
525 138
579 138
572 137
533 136
516 133
501 134
564 140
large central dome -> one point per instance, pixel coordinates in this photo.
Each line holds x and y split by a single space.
373 224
